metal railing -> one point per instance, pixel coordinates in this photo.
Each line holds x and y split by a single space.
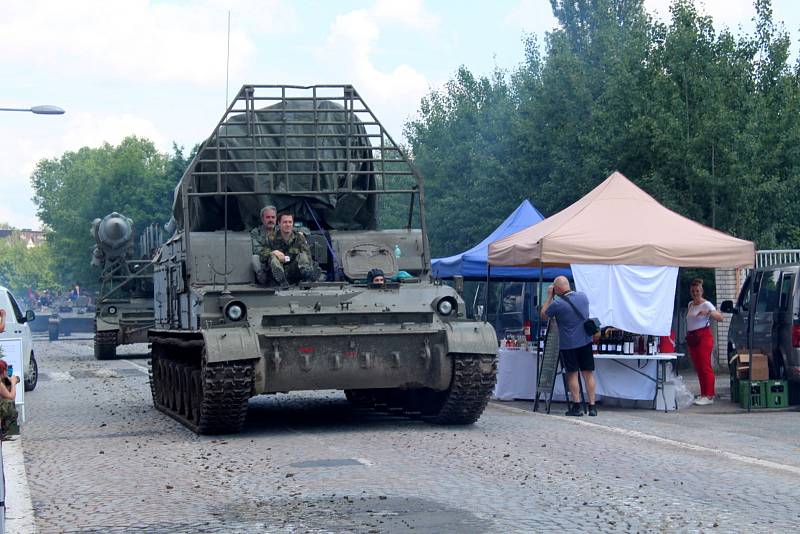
767 258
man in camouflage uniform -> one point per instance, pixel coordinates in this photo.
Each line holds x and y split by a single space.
8 392
261 236
288 260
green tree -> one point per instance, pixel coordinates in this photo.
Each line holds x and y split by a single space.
705 121
23 268
132 178
462 147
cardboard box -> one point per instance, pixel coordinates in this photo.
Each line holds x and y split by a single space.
760 366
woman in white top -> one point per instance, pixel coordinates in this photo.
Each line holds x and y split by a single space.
700 340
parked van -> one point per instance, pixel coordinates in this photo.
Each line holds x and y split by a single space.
776 319
17 327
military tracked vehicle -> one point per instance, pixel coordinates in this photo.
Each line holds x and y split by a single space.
220 338
68 317
124 308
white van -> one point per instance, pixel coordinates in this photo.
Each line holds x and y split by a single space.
17 327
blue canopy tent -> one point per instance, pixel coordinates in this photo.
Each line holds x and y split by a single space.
511 302
472 264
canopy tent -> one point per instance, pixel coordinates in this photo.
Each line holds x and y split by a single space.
472 264
619 224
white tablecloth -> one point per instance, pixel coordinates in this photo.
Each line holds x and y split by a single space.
516 375
615 380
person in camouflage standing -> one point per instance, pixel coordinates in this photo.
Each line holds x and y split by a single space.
289 259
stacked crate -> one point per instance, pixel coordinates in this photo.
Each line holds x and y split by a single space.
763 393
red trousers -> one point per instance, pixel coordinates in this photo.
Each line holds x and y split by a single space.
701 359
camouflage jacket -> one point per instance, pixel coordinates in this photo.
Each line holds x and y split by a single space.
262 243
293 246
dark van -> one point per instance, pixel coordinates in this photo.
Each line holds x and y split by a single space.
776 319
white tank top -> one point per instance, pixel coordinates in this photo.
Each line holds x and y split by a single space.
695 321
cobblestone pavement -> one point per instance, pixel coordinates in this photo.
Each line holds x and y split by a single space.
99 458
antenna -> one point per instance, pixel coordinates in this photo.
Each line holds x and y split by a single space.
228 60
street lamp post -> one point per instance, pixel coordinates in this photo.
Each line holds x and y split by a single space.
39 110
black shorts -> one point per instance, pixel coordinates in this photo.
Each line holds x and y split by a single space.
579 359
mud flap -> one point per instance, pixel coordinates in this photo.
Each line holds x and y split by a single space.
229 344
471 338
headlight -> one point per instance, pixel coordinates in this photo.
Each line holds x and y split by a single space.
112 310
235 311
446 306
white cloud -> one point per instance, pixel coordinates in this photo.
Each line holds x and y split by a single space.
532 16
725 13
139 40
87 129
393 93
409 13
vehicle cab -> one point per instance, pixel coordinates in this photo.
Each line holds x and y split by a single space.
17 327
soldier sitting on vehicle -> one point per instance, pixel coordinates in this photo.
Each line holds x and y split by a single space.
287 258
261 236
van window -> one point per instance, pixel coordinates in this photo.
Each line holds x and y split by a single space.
769 292
744 295
787 281
17 309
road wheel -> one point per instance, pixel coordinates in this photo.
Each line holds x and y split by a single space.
105 345
32 376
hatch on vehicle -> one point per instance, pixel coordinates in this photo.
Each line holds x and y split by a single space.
361 258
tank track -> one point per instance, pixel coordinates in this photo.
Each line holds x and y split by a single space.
473 380
209 398
105 345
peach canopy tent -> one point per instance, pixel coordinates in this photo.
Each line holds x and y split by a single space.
617 223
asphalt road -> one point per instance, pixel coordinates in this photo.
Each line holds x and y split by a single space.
99 458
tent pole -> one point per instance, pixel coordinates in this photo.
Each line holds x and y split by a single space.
486 293
539 306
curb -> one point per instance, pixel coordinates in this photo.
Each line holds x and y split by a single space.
19 507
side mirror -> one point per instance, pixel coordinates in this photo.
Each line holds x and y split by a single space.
480 311
29 316
727 307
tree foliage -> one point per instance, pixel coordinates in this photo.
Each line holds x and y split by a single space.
132 178
705 121
23 268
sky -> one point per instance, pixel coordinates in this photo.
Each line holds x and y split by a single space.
157 68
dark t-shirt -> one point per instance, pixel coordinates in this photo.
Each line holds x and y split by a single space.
571 334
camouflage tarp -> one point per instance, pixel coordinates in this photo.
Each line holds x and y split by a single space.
263 140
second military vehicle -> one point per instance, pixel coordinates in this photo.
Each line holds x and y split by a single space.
320 154
124 308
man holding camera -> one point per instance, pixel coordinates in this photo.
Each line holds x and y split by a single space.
574 342
288 258
8 392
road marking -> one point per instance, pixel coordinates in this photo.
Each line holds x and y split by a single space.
19 508
142 368
667 441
